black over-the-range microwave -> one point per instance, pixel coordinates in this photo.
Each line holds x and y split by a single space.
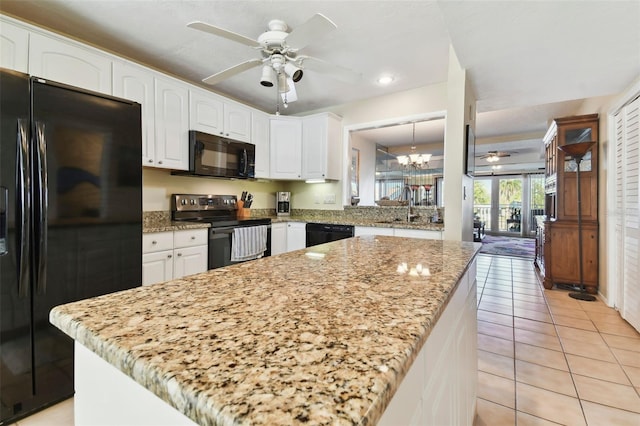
215 156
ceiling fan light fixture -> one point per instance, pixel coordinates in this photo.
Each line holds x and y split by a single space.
293 71
283 87
268 76
492 158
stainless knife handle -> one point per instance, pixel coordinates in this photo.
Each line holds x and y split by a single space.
23 212
43 197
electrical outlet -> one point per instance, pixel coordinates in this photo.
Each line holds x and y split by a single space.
330 198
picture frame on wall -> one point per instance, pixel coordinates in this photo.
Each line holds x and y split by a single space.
470 152
355 172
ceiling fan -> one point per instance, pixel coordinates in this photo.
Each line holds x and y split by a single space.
493 156
279 46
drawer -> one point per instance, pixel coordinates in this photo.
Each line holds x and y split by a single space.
190 238
157 241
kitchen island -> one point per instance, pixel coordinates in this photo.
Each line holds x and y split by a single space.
358 331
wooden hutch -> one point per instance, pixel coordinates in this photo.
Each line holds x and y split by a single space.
557 233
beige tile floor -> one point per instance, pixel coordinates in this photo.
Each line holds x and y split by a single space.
543 358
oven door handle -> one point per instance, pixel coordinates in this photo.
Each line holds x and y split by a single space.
229 229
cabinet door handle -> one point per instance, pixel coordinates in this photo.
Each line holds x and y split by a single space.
150 160
169 256
179 254
154 242
193 237
159 162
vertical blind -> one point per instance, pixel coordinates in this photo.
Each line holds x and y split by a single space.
627 210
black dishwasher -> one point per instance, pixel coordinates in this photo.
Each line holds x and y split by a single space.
320 233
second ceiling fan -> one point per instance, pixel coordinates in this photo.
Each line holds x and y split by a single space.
282 65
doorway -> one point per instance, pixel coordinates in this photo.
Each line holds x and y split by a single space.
508 204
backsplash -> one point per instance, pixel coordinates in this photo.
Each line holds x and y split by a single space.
362 213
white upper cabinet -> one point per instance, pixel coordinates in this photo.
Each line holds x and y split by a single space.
237 122
321 147
69 63
260 138
171 124
136 84
14 47
206 112
211 114
286 147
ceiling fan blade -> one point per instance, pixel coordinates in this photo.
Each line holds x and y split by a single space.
208 28
340 73
316 27
230 72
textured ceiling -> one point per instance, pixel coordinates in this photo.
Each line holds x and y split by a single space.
527 61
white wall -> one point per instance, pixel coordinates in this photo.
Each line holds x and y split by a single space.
458 188
367 168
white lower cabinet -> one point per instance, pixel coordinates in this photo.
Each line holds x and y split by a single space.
289 236
296 235
172 255
440 388
278 238
417 233
399 232
371 230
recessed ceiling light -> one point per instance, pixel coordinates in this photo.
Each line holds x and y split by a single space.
385 79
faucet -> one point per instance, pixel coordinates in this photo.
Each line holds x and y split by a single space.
408 195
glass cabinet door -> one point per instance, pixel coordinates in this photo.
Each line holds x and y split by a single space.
574 134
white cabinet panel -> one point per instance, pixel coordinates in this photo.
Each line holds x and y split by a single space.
278 238
321 147
157 241
189 261
211 114
206 112
172 124
260 138
157 267
372 230
296 235
286 148
172 255
14 47
237 122
417 233
136 84
69 63
190 238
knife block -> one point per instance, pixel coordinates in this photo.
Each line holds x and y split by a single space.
242 211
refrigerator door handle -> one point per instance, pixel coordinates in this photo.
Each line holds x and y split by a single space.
4 227
41 271
24 206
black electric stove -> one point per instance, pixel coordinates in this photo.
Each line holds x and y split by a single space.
221 212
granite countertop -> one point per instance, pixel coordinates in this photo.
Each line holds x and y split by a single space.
322 335
363 222
169 225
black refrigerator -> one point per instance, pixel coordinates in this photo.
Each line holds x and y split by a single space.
70 225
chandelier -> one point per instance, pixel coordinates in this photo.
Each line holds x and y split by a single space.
414 160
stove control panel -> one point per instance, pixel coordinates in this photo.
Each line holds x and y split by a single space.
191 202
